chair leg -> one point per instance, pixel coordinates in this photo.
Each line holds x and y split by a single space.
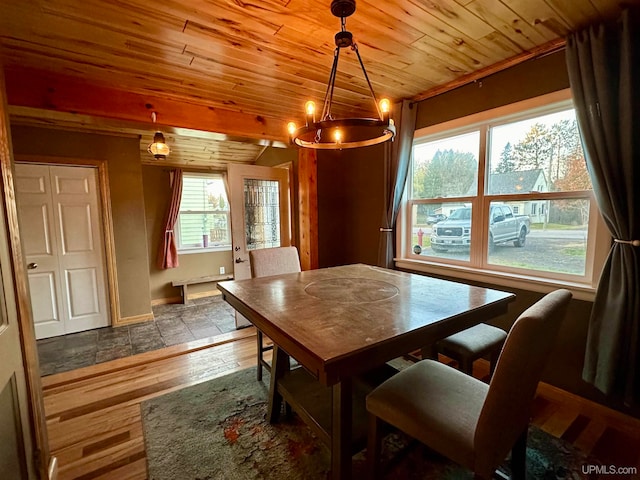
374 446
519 457
259 355
429 351
466 365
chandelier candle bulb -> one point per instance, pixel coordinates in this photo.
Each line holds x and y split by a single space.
385 108
310 109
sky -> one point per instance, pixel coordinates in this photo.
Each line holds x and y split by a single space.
500 134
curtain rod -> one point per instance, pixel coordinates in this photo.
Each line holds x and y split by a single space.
541 51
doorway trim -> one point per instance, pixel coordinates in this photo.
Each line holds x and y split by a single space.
106 220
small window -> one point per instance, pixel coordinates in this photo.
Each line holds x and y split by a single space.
445 175
203 221
447 167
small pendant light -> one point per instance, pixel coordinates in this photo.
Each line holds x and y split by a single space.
159 148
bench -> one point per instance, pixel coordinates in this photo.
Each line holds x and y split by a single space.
193 281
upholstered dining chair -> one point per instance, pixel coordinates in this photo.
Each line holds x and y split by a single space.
265 263
471 344
462 418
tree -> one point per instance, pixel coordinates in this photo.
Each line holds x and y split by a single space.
534 151
576 175
419 179
565 142
448 174
217 201
507 162
576 178
549 148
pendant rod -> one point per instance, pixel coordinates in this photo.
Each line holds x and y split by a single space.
373 95
328 96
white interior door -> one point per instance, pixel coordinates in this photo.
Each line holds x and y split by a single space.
22 419
59 213
260 215
16 443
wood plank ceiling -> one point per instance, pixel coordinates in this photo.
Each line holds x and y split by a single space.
267 57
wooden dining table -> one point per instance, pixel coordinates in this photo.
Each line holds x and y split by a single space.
342 325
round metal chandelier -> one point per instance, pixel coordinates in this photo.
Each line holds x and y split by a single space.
332 133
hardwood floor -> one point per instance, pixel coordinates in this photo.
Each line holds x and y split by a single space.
95 428
93 414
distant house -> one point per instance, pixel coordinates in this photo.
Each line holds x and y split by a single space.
522 182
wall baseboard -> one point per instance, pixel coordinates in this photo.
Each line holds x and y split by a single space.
192 296
145 317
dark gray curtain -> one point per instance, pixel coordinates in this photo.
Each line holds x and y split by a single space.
396 165
604 72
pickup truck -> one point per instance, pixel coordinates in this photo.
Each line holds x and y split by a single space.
504 226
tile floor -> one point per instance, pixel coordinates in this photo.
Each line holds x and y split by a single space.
173 324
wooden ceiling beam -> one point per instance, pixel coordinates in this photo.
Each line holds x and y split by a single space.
42 90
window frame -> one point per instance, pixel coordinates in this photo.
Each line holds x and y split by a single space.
478 268
189 249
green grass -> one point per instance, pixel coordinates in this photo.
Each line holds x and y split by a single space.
507 263
528 266
557 226
575 251
426 241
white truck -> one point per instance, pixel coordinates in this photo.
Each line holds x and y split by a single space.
455 232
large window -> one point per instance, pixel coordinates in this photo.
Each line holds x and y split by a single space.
203 222
508 194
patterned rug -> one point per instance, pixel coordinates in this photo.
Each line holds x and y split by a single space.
217 430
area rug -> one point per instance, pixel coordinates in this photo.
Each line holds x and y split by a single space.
217 430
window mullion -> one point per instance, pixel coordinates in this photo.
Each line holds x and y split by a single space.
586 194
479 235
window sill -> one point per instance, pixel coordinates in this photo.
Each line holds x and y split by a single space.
203 250
580 291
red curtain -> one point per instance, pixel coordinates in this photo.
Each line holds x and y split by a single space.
168 253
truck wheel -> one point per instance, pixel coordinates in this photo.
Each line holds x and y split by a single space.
492 246
522 238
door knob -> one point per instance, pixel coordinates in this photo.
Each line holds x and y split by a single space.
239 260
32 266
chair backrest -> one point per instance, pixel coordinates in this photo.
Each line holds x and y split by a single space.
274 261
507 408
